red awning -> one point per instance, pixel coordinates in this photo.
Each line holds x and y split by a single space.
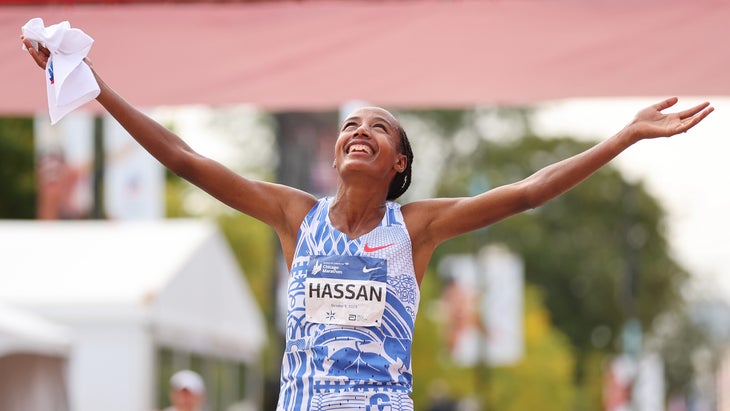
312 55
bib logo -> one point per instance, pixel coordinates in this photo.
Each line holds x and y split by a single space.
357 317
379 402
317 268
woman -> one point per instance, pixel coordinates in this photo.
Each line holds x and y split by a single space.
356 258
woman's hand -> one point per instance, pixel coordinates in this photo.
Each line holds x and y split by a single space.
40 56
651 122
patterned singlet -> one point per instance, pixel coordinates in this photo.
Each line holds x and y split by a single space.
351 309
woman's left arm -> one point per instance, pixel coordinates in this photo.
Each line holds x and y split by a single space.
649 123
440 219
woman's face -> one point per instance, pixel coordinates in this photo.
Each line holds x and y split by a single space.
369 140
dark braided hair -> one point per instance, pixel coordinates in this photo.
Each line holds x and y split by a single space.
402 180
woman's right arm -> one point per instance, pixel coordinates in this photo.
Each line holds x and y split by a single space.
271 203
277 205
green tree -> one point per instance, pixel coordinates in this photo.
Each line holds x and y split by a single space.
598 252
17 173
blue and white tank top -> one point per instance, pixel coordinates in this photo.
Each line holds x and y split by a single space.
352 306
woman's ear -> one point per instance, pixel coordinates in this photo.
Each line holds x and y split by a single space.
401 163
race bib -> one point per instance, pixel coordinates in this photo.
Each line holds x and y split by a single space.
346 290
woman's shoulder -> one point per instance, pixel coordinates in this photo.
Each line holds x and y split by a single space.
425 206
420 215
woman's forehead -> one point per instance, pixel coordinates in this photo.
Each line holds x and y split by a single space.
369 112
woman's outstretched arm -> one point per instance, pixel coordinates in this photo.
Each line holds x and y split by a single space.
437 220
279 206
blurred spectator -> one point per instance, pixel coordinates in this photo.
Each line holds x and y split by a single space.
187 391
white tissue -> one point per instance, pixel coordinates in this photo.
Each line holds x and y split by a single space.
69 80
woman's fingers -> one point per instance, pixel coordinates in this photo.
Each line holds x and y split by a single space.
700 112
40 55
662 105
693 110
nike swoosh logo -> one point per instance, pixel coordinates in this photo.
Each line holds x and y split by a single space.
369 249
367 270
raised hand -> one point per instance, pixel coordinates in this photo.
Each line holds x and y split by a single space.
40 56
651 122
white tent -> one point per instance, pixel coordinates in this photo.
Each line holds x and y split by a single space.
24 332
124 289
33 355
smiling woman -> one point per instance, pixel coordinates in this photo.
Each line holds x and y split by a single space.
356 259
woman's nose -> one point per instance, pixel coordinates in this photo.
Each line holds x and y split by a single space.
362 130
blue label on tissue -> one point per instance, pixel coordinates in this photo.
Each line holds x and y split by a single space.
50 72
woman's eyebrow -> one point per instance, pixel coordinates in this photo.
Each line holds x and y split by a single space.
349 119
384 120
377 119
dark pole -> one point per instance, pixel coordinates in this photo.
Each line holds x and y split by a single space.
97 211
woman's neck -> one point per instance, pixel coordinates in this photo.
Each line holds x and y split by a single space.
356 212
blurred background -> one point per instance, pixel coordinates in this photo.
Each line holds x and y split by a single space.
115 274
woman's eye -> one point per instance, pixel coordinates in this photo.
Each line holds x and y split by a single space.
349 125
380 126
